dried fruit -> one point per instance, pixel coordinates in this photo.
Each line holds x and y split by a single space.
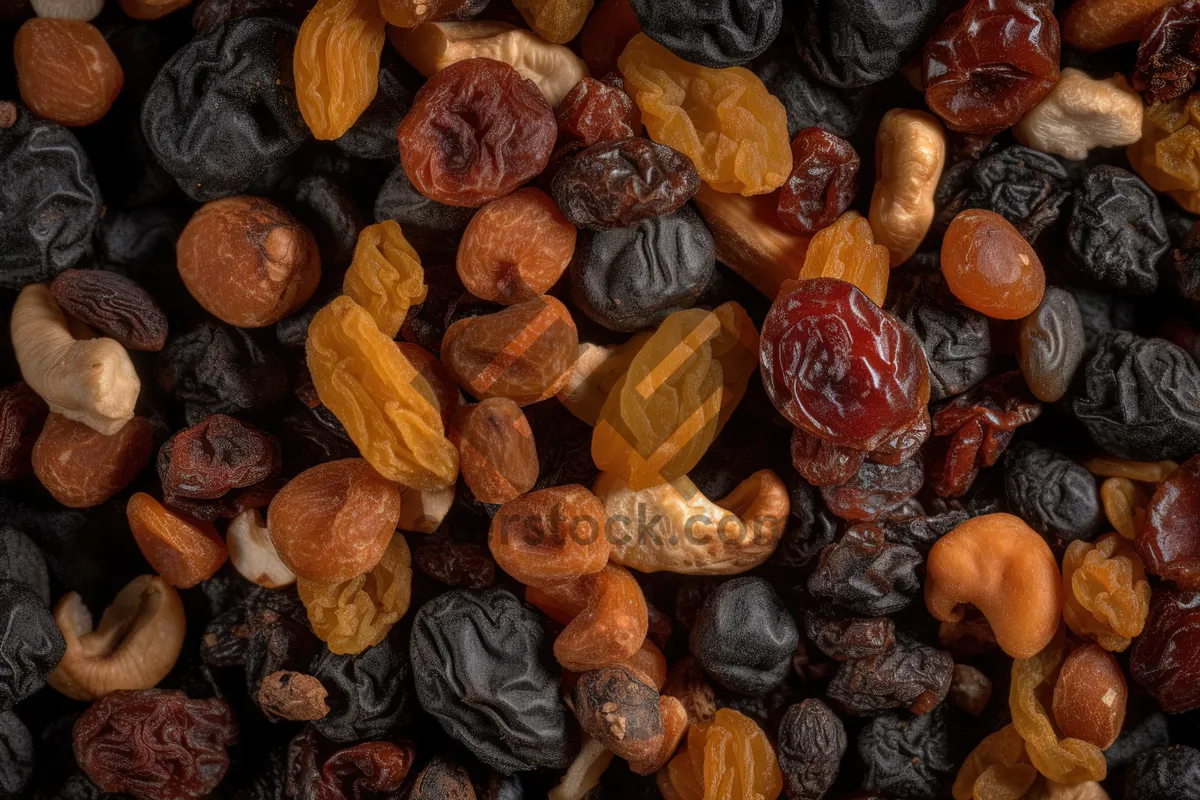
208 460
990 267
1051 345
1091 25
22 414
336 64
1166 156
729 756
1163 657
629 717
1106 595
865 574
555 21
1055 495
66 71
997 768
910 675
385 277
1167 542
744 637
1167 58
846 250
597 111
1089 696
496 451
182 549
82 468
114 305
823 182
812 742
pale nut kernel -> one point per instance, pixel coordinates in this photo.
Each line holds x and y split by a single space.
422 510
585 771
136 644
433 46
673 527
253 553
1046 789
84 10
910 153
90 381
1080 114
1005 569
595 372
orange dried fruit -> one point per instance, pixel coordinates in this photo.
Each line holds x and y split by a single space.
990 267
496 451
846 250
336 63
81 467
183 550
66 72
385 277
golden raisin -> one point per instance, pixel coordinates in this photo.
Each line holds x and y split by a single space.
336 63
385 277
725 120
515 248
550 536
496 451
997 769
729 757
846 250
1089 696
1091 25
388 409
1106 597
66 72
1141 471
332 522
183 550
356 614
990 267
1124 506
524 352
248 261
555 21
82 468
1168 154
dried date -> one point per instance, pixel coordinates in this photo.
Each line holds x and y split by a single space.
114 305
812 742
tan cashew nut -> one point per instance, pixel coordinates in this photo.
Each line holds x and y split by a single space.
1005 569
88 380
135 646
910 152
673 527
433 46
1080 114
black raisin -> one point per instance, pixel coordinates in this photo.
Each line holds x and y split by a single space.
370 694
725 34
1117 235
1026 187
428 225
843 638
808 102
956 341
852 43
911 675
812 741
864 573
744 637
909 757
1055 495
32 645
1165 773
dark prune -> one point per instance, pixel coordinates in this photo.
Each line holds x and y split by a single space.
1141 398
22 414
844 638
808 102
622 713
366 770
1165 773
812 741
631 278
1166 657
957 344
864 573
139 238
989 62
462 565
16 755
1184 264
219 369
725 34
810 529
851 43
155 744
1169 54
912 757
823 182
373 135
51 200
370 694
597 111
1117 234
922 533
208 460
210 14
475 659
618 184
744 637
32 645
1055 495
223 109
22 561
875 489
1027 188
114 305
910 675
1051 344
428 225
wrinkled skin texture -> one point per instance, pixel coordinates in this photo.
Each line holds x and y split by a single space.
155 744
1106 596
909 757
1027 188
617 184
1117 233
845 637
114 305
1168 541
370 693
875 489
475 660
597 111
1164 773
1051 345
476 131
1169 54
860 42
220 454
32 645
957 344
1056 496
744 637
223 110
1140 398
368 769
823 182
909 675
724 34
336 64
809 103
632 278
812 741
989 62
865 574
1164 658
49 186
22 414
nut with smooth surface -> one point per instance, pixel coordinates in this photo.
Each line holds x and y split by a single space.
88 380
253 553
1092 25
1082 113
422 510
910 152
136 644
1003 567
85 10
82 468
433 46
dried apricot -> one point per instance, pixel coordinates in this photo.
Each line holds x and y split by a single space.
82 468
990 267
515 248
604 613
550 536
496 451
1089 696
66 71
846 250
385 276
336 63
183 550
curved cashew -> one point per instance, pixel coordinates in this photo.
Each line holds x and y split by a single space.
136 645
910 152
90 381
422 510
1004 568
674 527
1081 113
433 46
253 553
83 10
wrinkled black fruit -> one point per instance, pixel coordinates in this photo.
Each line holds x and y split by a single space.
726 33
1055 495
852 43
370 694
744 637
956 341
1166 773
1117 233
909 757
812 741
31 647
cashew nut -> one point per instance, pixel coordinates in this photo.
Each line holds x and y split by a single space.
85 10
674 527
90 381
253 553
910 152
1092 25
585 771
1046 789
1005 569
136 645
1079 114
433 46
422 510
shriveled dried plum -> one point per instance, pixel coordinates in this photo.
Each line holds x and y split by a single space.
370 693
909 756
744 637
1055 495
812 741
852 43
1117 235
911 675
864 573
956 341
725 34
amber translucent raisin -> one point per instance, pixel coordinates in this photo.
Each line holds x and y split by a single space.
846 250
445 394
336 63
823 182
731 751
66 71
597 111
607 30
385 277
183 550
1106 594
555 20
411 13
81 467
990 267
496 452
997 769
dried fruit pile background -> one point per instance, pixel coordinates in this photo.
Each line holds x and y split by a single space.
600 399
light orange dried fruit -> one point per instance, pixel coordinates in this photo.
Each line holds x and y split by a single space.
183 550
496 451
555 21
386 277
1106 597
66 72
846 250
336 63
81 467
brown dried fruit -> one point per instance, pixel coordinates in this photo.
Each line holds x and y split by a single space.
182 549
114 305
66 71
496 451
82 468
1089 696
22 413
